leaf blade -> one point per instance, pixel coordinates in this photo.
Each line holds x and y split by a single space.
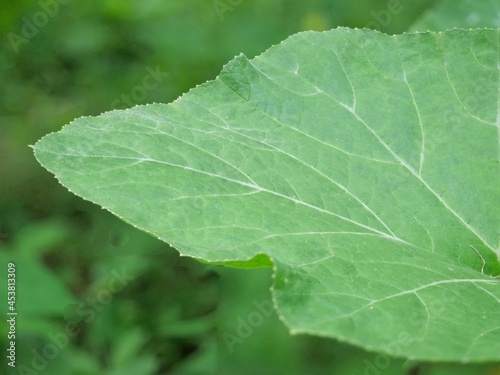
324 151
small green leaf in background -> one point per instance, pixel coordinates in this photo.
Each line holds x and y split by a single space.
38 290
361 164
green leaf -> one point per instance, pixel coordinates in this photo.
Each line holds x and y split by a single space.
364 166
32 277
467 14
127 347
33 280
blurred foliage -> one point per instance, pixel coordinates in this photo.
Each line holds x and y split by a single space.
96 295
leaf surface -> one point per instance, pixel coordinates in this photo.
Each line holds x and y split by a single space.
365 167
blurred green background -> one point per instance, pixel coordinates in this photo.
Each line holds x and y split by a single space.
94 295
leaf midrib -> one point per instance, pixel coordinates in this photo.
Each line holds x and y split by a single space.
408 167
